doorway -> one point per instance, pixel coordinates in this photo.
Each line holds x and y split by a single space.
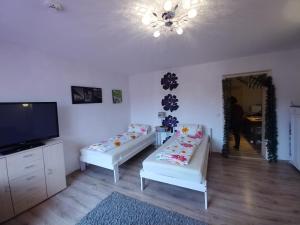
245 99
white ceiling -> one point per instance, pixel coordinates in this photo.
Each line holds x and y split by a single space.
109 35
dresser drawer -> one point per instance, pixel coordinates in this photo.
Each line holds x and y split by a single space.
31 199
21 187
25 163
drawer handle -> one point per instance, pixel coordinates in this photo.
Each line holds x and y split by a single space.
30 178
28 156
28 167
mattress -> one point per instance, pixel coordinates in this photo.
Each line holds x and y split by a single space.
115 155
191 172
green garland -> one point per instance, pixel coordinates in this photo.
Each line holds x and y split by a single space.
226 108
271 132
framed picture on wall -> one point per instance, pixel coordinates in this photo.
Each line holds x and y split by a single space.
86 95
117 96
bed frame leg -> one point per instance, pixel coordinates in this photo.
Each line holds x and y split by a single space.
116 173
142 183
205 197
82 166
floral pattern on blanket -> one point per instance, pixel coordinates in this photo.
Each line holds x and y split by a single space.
189 130
114 142
180 151
138 128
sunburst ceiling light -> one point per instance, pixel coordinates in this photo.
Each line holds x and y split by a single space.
171 16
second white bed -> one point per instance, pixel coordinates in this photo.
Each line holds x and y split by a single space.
192 176
112 159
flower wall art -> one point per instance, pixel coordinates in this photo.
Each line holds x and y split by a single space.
170 101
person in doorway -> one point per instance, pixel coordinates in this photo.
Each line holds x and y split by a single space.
237 114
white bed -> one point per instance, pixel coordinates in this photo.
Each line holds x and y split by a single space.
191 176
112 159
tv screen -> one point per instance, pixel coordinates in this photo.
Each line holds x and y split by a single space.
27 122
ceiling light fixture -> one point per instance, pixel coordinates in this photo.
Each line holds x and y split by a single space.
156 34
192 13
168 5
179 31
170 16
146 20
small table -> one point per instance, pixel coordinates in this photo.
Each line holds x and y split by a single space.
161 134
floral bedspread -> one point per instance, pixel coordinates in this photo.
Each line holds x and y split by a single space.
115 142
180 151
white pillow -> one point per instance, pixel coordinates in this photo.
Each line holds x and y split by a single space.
139 128
189 130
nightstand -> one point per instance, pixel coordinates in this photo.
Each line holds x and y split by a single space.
161 134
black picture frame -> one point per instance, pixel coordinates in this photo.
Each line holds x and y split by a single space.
86 95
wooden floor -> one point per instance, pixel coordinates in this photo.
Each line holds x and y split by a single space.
246 149
240 191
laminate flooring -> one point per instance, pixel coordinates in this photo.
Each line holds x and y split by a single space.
240 191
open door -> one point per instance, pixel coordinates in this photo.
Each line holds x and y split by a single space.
260 117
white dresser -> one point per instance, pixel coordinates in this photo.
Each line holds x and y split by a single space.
295 136
30 177
5 199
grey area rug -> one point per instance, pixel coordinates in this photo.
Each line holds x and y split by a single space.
118 209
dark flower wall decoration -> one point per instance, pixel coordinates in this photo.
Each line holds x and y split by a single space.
169 81
170 122
169 102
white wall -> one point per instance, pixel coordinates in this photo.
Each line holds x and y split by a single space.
32 76
200 92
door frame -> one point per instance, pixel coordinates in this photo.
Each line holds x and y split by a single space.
264 152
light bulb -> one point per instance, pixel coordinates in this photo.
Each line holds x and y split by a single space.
186 4
179 31
156 34
168 5
192 13
146 20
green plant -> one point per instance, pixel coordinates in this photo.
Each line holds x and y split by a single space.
271 132
226 108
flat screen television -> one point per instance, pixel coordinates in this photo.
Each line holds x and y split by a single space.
27 124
